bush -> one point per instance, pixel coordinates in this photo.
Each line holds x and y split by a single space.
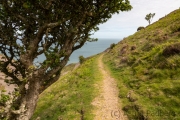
81 59
140 28
112 45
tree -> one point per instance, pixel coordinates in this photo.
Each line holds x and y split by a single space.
53 28
149 17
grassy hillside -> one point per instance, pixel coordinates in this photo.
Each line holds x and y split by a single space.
147 68
70 98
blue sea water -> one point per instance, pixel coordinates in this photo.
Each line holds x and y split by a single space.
91 48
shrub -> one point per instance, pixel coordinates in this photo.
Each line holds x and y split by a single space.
140 28
81 59
112 45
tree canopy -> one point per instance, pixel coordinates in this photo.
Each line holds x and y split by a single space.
149 17
53 28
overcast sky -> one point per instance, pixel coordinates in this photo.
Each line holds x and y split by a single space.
126 23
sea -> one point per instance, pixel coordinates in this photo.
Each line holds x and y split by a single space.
87 50
91 48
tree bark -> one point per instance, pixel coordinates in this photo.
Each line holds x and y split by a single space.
28 102
32 98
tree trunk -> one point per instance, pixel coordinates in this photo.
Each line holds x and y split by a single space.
29 102
31 99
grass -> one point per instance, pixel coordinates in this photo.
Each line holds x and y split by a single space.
69 68
146 66
70 97
148 78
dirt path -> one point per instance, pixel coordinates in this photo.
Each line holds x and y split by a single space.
107 103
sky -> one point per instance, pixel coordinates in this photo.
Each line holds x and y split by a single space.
126 23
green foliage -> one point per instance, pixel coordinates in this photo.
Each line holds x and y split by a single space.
112 45
3 102
3 98
140 28
81 59
149 17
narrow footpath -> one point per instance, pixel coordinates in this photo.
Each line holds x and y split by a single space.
107 105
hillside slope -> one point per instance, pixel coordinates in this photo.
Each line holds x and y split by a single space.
147 68
71 96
